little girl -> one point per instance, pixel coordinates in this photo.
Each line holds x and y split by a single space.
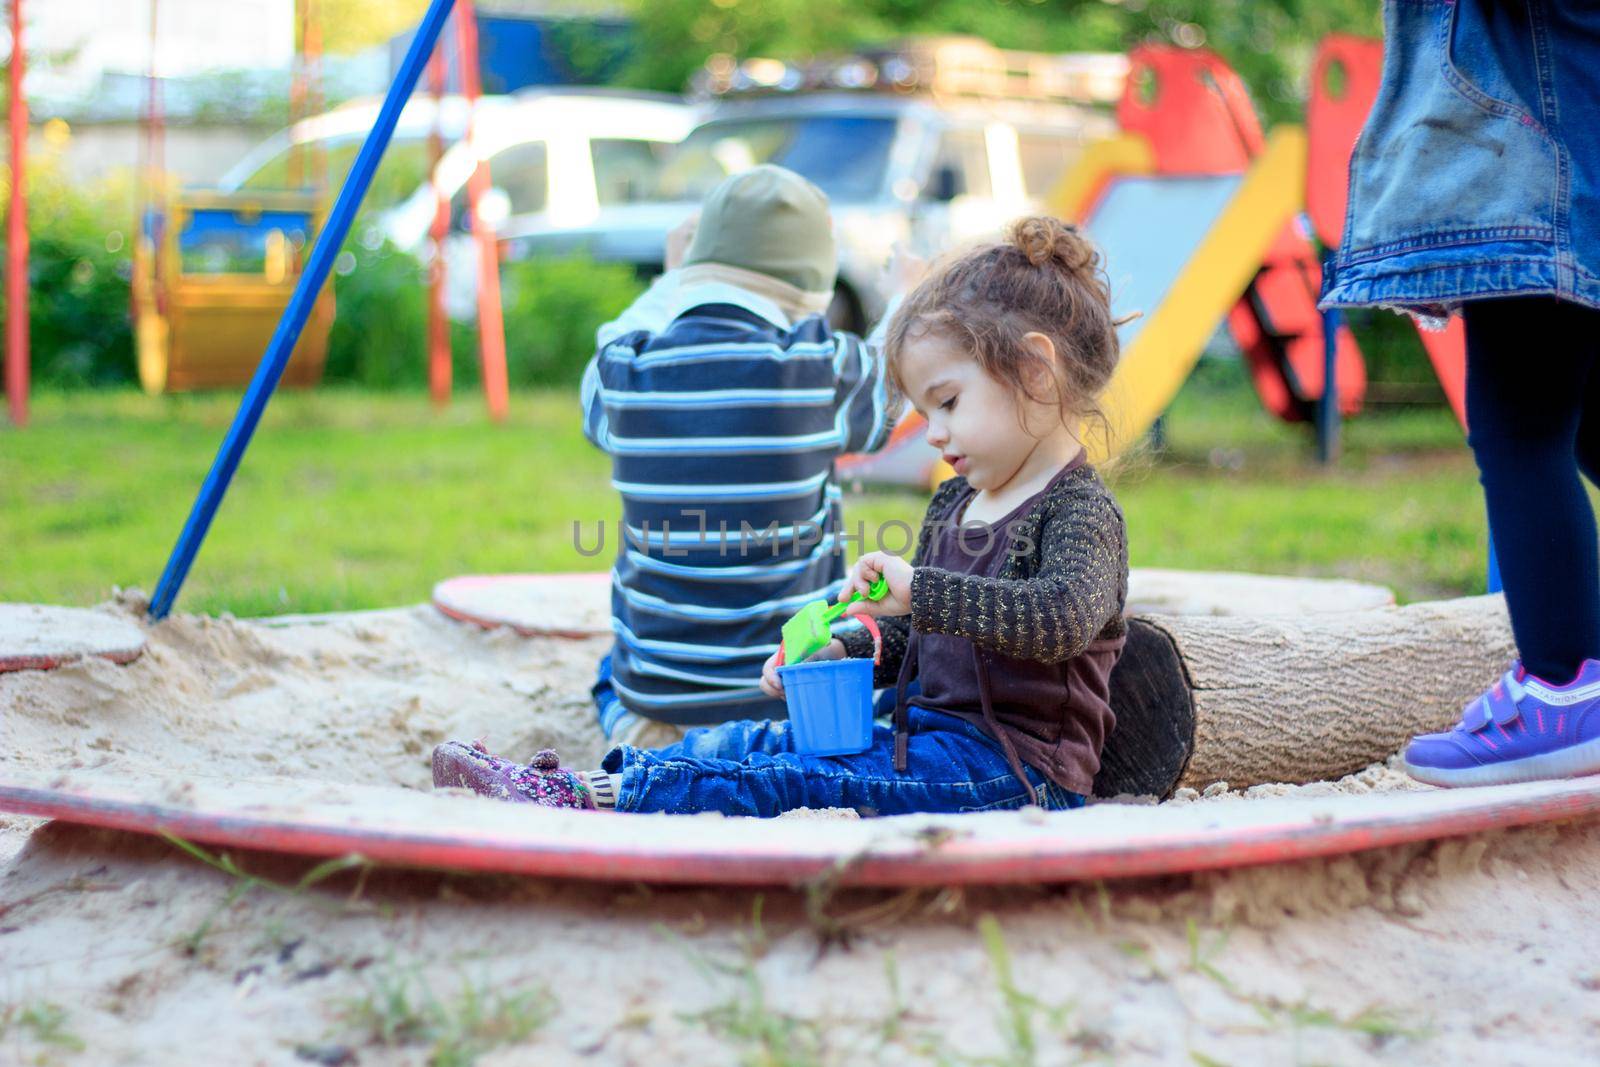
1010 614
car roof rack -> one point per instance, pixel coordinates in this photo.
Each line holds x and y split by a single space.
946 67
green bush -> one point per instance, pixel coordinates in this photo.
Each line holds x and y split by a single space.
379 337
552 308
78 315
1394 354
78 278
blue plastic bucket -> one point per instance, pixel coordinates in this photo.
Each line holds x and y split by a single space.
830 705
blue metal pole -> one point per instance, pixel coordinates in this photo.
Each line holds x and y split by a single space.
294 317
1328 409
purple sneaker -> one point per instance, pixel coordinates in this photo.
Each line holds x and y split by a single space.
544 781
1522 730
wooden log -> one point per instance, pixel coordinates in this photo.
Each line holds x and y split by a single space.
1153 591
579 605
1283 699
1152 699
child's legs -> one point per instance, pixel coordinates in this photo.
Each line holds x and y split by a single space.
729 741
1588 449
951 766
1530 365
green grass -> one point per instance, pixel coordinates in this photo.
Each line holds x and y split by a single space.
399 1008
345 500
244 884
43 1022
352 500
1377 1025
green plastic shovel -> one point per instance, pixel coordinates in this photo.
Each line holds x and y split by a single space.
808 632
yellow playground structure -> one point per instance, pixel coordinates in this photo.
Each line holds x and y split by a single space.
212 275
213 271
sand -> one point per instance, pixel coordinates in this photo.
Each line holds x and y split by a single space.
1477 950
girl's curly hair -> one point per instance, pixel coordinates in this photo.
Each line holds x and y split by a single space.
1044 278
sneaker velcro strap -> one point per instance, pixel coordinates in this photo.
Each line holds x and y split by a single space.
1476 716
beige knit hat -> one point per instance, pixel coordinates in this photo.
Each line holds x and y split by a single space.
772 221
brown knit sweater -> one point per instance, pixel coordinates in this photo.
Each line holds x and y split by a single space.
1060 590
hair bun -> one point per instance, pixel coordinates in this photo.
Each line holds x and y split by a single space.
1042 239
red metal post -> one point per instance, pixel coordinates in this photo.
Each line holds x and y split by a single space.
438 319
155 179
17 235
491 325
305 97
313 100
295 170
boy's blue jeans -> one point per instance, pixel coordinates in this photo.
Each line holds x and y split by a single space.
751 768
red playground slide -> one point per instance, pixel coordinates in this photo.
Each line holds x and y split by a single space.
1197 116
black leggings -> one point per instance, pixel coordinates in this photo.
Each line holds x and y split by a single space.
1533 405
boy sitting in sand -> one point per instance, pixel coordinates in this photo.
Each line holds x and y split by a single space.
723 397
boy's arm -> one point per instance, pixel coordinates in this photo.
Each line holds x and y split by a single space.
1050 617
594 408
868 403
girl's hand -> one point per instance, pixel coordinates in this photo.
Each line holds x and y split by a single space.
866 571
772 685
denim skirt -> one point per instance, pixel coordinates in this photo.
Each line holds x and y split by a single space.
1478 171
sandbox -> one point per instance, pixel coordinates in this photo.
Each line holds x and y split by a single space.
311 735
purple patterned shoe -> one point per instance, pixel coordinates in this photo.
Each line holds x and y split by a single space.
1522 730
544 781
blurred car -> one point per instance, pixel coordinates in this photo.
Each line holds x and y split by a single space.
905 154
338 135
557 158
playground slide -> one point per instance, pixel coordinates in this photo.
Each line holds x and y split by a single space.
1160 201
1196 115
1180 252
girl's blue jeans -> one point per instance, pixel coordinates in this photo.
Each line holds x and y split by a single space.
751 768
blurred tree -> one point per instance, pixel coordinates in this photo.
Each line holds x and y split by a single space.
78 270
353 25
676 36
593 53
1270 42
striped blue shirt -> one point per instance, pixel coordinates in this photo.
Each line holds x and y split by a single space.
722 419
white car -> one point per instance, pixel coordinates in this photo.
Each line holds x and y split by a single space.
907 169
340 133
557 158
